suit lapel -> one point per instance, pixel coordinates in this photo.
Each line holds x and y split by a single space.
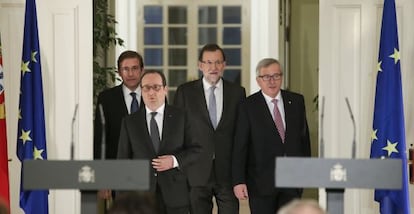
121 100
201 101
143 128
227 98
264 111
289 114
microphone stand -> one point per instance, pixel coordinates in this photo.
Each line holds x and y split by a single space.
353 123
107 202
321 144
72 142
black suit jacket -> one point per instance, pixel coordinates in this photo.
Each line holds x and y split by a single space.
115 109
257 141
177 139
217 143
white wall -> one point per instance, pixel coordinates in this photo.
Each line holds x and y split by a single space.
66 55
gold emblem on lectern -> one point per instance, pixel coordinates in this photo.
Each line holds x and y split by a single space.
338 173
86 175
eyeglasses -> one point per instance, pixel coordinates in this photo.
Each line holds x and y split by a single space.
147 88
128 69
276 76
210 63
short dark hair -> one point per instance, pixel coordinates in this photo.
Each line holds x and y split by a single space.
130 54
211 48
164 80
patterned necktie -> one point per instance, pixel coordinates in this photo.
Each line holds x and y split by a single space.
134 103
278 120
155 134
212 109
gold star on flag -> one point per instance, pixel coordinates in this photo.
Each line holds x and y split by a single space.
34 53
25 136
395 55
2 111
20 114
390 148
37 154
374 135
379 66
25 67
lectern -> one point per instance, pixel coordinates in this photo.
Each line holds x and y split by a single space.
337 174
87 176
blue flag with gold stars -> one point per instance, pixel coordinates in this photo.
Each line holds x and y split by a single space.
31 136
388 136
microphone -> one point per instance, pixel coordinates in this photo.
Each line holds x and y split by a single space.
72 141
321 144
103 139
353 123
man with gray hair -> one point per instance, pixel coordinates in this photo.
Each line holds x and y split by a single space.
305 206
271 123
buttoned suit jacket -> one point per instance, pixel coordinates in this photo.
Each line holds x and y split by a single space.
217 144
114 110
257 141
177 139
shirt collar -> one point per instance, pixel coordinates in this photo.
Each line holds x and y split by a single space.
207 85
269 99
160 110
127 92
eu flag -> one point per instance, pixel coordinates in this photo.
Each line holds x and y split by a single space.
31 137
388 134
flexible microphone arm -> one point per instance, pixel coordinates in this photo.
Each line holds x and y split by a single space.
353 123
321 144
103 139
72 142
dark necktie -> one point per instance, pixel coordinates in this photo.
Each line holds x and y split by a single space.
278 120
155 134
134 103
212 109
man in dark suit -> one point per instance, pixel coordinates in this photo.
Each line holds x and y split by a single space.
116 103
161 133
212 103
271 123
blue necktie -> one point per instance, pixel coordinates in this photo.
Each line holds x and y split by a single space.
155 134
212 109
134 103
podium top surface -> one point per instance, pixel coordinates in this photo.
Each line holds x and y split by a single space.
86 175
338 173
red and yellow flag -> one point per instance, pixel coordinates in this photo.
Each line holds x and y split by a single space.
4 165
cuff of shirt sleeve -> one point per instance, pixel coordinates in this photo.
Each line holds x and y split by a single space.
175 164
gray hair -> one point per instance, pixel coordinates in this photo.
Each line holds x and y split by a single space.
265 63
298 206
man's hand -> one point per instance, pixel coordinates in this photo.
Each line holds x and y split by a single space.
163 163
240 191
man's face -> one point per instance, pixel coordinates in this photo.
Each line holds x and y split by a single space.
153 91
270 79
130 73
212 66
